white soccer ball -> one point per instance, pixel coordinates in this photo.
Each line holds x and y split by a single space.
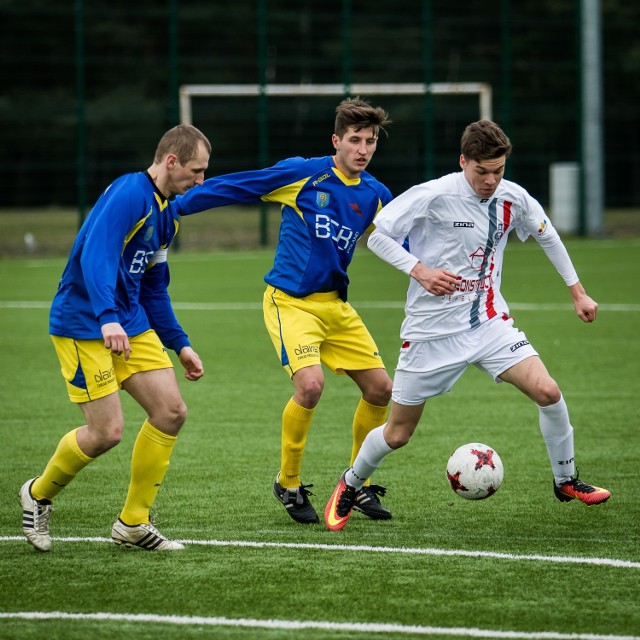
475 471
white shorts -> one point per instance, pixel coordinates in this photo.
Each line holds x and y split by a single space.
431 368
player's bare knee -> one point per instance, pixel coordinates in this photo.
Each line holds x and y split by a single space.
309 393
178 415
105 439
548 393
170 418
378 393
113 441
397 437
100 434
397 440
382 394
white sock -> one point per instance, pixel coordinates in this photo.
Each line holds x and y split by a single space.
557 433
371 454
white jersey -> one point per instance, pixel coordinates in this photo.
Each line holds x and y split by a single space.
450 227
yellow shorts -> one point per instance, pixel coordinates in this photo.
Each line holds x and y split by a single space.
318 328
91 371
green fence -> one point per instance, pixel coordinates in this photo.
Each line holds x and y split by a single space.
89 86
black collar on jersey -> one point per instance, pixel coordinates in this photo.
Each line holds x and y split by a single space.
155 187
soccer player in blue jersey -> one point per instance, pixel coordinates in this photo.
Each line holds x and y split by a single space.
111 322
327 204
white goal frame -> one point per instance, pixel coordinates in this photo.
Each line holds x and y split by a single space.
190 91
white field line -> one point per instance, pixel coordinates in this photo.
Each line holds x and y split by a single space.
287 625
352 627
416 551
389 304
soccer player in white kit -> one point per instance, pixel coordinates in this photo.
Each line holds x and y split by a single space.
457 227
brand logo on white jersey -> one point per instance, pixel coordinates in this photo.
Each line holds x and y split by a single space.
466 225
517 345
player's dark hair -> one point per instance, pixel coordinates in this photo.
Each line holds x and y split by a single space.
484 140
359 114
182 140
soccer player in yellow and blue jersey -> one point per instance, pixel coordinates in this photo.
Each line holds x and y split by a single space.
327 204
111 322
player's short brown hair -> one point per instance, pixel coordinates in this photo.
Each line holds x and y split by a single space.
484 140
182 140
359 114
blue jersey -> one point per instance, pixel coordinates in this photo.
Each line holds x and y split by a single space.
117 270
324 213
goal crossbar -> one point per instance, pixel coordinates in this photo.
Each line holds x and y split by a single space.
187 91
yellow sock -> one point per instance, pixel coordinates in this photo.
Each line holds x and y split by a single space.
67 461
296 421
367 417
149 463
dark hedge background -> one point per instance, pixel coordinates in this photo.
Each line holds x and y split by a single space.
527 50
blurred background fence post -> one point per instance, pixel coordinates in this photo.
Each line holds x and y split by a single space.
81 119
593 174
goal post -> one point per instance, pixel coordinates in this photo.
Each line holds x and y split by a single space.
190 91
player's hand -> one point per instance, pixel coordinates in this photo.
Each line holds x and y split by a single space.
116 339
439 282
189 359
586 308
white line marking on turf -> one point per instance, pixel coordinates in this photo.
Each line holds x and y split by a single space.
354 627
627 564
418 551
390 304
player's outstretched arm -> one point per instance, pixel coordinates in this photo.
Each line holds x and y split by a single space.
190 360
586 308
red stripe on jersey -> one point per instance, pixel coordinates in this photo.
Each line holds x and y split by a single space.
491 310
506 221
506 215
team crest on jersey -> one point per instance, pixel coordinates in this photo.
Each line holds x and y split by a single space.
322 199
148 233
542 227
478 258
